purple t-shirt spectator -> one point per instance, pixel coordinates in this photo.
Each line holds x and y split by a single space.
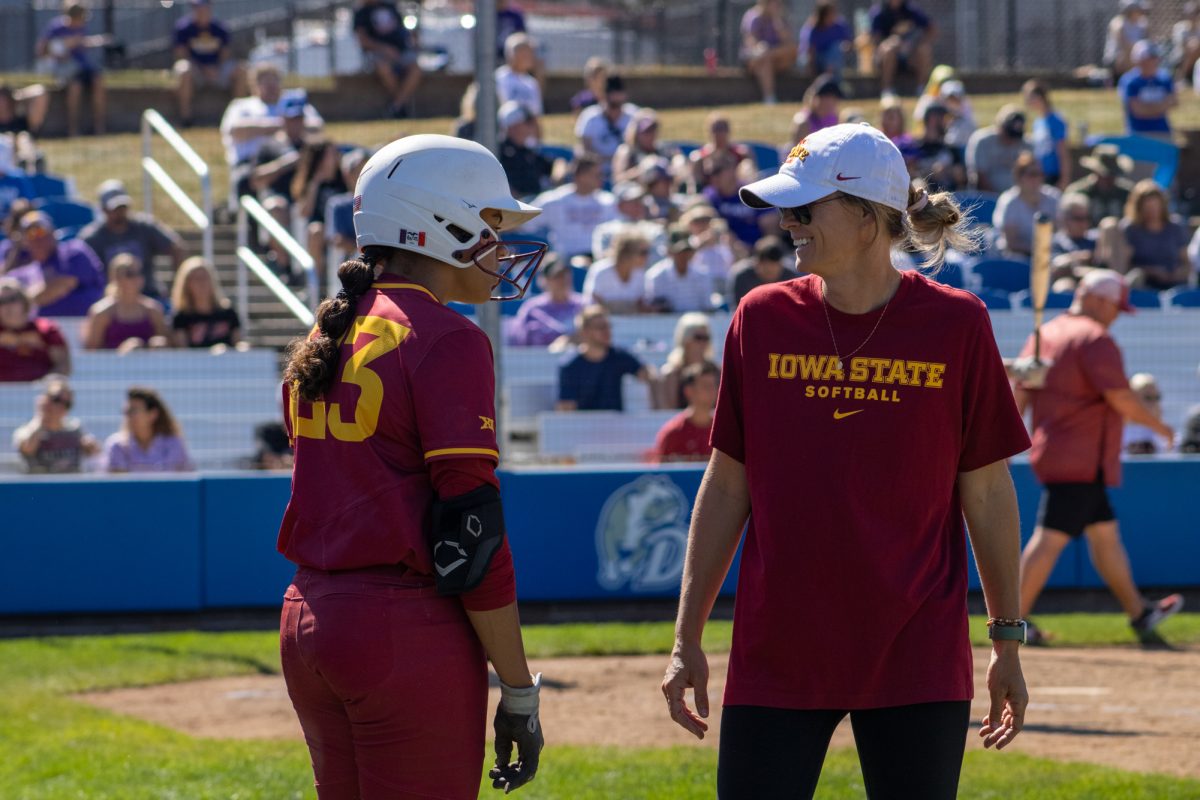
761 28
741 218
540 320
818 40
165 454
61 28
75 259
885 19
204 45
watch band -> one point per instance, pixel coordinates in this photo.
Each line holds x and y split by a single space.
1010 633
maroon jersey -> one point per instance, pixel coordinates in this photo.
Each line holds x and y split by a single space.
415 385
853 584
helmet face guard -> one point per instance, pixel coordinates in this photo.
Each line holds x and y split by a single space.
517 266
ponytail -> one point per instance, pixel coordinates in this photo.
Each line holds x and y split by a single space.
932 224
313 361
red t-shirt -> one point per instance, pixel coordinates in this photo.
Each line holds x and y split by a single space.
1076 433
25 352
681 440
853 584
413 410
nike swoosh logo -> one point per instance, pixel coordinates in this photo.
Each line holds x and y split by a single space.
842 177
839 415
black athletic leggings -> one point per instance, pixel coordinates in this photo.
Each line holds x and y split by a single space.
905 752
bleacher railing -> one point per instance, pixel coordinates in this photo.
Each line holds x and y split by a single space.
248 259
153 172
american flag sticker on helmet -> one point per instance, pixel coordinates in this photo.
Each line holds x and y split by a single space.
412 237
358 202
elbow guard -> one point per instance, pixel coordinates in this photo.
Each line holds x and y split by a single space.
467 532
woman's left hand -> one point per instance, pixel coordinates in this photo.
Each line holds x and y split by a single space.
1009 697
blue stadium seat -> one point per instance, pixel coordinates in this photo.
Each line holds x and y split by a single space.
1184 298
977 206
45 185
766 156
1003 274
950 275
1023 299
994 300
557 151
1141 298
68 213
1163 155
13 187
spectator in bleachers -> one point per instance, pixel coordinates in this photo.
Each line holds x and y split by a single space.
339 211
545 317
1138 439
67 44
821 101
1017 207
938 163
962 118
139 235
464 126
201 314
632 212
204 58
711 237
676 283
719 142
1125 30
250 122
747 224
22 112
54 442
655 175
641 142
1147 93
318 178
618 283
1107 186
64 277
126 318
1185 43
1049 134
30 347
600 129
693 345
595 77
932 91
1189 440
591 379
992 152
520 150
903 37
273 449
768 45
390 51
825 39
763 267
894 124
1147 245
571 212
515 80
149 440
1073 247
510 19
685 436
13 252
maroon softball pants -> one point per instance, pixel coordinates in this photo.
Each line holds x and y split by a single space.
390 684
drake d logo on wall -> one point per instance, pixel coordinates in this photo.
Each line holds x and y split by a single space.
642 534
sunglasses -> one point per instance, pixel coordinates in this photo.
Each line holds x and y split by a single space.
1152 398
803 214
700 336
11 298
60 399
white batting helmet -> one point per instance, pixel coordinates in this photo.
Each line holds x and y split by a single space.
427 193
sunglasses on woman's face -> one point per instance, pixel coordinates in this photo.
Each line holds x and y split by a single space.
803 214
700 336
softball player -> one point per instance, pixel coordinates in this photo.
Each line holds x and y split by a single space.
862 412
405 584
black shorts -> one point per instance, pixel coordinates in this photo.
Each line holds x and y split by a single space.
1071 507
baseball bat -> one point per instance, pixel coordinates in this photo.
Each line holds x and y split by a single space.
1039 277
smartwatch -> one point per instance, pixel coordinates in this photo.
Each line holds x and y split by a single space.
1010 633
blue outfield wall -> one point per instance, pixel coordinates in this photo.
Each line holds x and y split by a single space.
184 544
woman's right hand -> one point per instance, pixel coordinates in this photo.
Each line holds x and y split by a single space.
688 668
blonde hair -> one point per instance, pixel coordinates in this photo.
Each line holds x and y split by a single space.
119 262
933 223
1141 190
691 321
181 298
626 242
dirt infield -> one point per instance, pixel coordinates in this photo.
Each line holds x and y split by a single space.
1126 708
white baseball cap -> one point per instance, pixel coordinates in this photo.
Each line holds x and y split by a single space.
1108 284
855 159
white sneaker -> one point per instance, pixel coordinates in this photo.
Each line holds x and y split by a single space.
1155 614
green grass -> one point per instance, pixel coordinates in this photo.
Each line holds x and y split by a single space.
54 747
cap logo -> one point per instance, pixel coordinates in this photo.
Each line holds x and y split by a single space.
416 238
799 151
842 177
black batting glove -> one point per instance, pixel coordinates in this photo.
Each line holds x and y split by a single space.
517 723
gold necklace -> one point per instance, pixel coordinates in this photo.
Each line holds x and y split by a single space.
829 322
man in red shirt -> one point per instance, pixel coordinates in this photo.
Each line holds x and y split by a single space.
685 436
30 348
1078 406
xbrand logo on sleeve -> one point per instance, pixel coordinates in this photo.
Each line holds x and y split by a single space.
414 238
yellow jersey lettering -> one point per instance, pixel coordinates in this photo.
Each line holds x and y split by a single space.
918 370
879 364
872 394
860 393
787 367
487 424
822 391
898 373
936 373
858 370
773 370
810 391
309 427
811 367
831 370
